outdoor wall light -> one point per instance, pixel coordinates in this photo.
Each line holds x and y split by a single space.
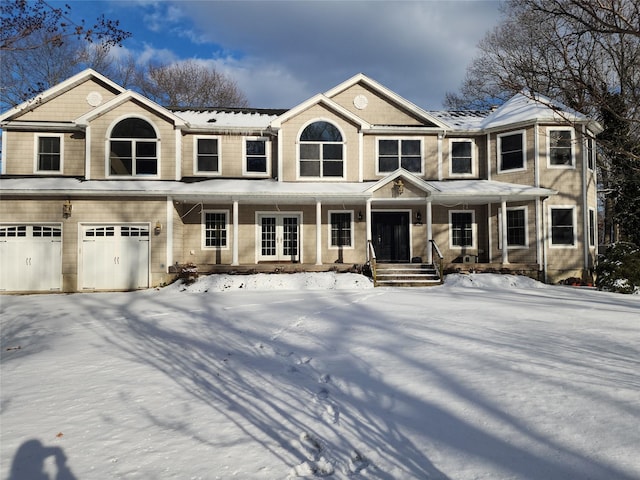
418 218
66 209
360 216
158 228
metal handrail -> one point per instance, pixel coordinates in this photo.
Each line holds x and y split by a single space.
436 249
372 260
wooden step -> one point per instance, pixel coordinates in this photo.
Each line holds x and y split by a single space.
406 275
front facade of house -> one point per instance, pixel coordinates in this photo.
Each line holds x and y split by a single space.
102 189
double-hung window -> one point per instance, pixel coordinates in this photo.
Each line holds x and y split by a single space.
591 153
462 227
563 226
321 151
461 157
341 233
215 229
399 153
207 155
133 149
256 156
49 153
516 227
511 151
560 143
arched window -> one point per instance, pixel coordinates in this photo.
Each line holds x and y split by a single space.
321 151
133 148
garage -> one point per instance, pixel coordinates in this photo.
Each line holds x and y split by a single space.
114 257
31 257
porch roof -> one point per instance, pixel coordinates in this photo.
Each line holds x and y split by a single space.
267 190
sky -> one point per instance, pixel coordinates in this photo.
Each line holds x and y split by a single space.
281 53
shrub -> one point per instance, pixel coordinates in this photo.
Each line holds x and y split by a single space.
618 270
188 272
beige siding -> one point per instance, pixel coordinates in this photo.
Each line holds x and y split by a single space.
69 105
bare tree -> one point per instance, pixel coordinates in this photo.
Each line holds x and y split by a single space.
22 19
585 54
189 84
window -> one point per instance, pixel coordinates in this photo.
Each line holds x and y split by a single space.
215 229
256 156
560 143
592 227
396 153
49 153
462 225
591 153
516 227
133 149
511 153
562 230
341 232
321 151
207 155
461 157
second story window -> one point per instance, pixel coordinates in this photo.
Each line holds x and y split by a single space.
511 151
396 153
256 156
49 153
133 149
560 148
461 157
207 152
321 151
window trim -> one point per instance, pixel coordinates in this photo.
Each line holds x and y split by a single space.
331 246
592 226
267 152
591 152
474 230
574 226
526 228
399 140
107 149
299 142
499 137
473 158
36 154
203 223
207 173
571 165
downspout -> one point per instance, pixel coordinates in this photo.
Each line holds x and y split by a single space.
440 140
87 153
429 220
585 203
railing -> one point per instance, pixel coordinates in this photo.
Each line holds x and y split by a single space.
371 259
436 250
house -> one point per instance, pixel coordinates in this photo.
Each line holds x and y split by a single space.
103 189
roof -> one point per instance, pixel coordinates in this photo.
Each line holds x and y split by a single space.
227 117
462 119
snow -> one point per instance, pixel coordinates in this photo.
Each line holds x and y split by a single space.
322 376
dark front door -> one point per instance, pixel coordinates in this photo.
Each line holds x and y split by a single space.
390 233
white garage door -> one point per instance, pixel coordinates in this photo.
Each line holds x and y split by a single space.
30 257
114 257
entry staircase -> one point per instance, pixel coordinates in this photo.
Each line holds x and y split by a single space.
406 274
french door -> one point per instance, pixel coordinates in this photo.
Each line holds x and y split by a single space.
279 237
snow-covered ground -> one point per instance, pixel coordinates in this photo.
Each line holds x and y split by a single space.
320 375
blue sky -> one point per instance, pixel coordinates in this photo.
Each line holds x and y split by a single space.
282 52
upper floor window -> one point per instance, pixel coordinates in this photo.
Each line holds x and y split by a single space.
560 143
321 151
399 153
461 157
591 153
256 156
133 148
511 151
207 153
49 153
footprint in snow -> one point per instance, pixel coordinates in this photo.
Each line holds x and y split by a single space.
310 446
331 414
323 394
357 462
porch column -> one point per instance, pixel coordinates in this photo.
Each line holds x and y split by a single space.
234 259
318 233
503 233
367 218
428 219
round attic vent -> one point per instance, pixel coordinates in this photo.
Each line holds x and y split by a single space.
360 102
94 99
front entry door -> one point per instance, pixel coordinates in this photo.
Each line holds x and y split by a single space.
390 232
279 237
